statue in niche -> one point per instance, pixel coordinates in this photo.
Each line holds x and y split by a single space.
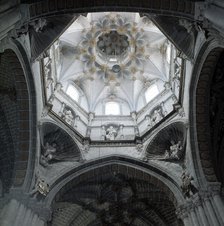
187 186
174 151
111 133
156 116
49 79
48 154
68 116
39 25
41 186
91 117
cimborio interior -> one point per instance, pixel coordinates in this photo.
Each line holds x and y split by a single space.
112 113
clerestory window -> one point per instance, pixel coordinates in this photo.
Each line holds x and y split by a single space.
151 92
112 108
73 92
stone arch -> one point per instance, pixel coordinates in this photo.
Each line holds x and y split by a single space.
18 113
203 136
134 175
170 8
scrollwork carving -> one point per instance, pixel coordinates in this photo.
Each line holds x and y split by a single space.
187 186
67 114
174 151
41 186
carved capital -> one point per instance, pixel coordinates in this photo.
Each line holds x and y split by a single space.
196 199
205 195
215 188
182 211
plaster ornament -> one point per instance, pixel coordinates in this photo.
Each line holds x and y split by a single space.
68 116
167 85
47 71
57 87
181 112
187 186
176 81
112 45
187 25
49 153
174 151
111 133
156 116
41 187
77 118
51 99
39 24
85 146
136 130
148 119
45 110
91 117
139 147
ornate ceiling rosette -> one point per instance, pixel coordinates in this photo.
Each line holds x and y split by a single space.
113 45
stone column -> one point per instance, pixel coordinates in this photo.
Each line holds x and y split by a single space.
17 214
203 216
27 217
200 211
194 217
218 205
8 213
182 213
211 212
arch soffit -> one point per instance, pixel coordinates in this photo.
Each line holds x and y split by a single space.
143 170
207 56
184 9
20 53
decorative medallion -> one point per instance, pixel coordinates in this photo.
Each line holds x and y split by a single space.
113 44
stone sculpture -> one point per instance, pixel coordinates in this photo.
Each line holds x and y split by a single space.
156 116
111 133
41 186
49 153
187 187
174 151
